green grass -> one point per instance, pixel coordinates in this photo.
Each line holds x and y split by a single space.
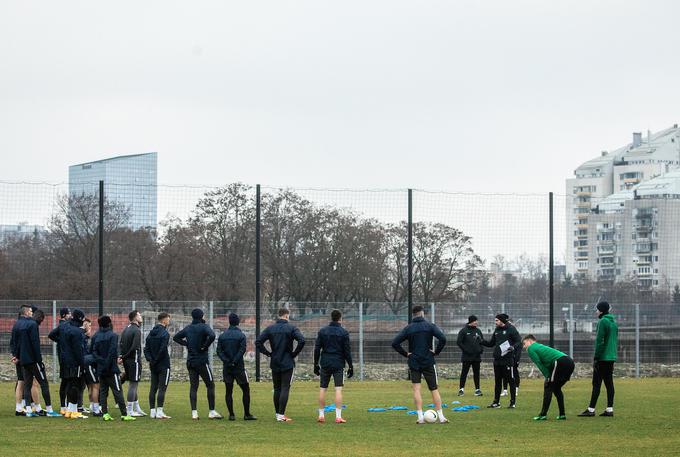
646 423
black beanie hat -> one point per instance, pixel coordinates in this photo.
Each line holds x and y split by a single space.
234 319
503 317
197 313
104 321
472 318
603 307
78 316
63 312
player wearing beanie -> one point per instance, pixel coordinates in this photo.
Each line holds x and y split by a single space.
505 340
156 353
470 343
606 345
231 347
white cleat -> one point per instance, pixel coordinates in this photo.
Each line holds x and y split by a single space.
137 414
504 393
214 415
163 416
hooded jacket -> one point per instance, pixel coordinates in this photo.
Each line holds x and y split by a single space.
607 339
25 341
71 340
156 348
332 348
104 349
231 347
470 343
419 334
197 337
281 335
131 343
54 336
500 335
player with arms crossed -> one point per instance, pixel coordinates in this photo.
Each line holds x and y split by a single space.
331 351
421 363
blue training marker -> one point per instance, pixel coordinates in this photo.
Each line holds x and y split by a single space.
376 410
398 408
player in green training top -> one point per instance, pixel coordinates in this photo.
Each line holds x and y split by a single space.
557 368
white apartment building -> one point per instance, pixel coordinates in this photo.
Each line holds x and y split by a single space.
605 185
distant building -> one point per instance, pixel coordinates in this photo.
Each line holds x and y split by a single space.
23 230
129 180
624 213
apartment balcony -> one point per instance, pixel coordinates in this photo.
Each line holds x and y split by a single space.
605 250
581 257
644 274
643 262
583 194
581 226
643 249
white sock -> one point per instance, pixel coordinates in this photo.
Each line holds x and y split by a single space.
212 412
591 410
194 413
23 404
49 408
321 412
36 407
420 415
159 412
462 389
609 409
28 409
130 407
19 407
338 413
279 416
440 413
137 407
152 412
73 407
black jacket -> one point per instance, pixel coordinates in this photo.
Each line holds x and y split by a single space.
502 334
470 343
419 334
131 343
104 350
89 360
54 336
197 337
332 348
281 335
156 348
25 341
71 339
231 347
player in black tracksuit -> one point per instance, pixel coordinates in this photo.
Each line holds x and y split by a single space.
281 335
26 349
104 350
518 357
331 351
470 343
72 356
197 337
231 347
156 353
421 364
504 364
64 317
131 355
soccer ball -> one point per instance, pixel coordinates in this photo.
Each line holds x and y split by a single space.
430 416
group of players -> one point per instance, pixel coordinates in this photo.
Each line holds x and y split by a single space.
91 362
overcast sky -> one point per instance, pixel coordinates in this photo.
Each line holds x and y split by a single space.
482 96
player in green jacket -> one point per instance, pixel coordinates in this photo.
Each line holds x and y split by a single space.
606 344
557 368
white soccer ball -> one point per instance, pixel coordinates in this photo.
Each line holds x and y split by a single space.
430 416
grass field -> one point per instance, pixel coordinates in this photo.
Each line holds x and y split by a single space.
646 423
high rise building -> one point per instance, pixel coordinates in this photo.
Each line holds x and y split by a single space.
620 210
130 181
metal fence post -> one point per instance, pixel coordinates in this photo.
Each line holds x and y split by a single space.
551 270
571 330
432 312
637 340
258 283
134 305
100 231
361 341
503 308
212 326
54 345
409 259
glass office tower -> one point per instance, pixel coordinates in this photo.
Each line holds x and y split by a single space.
129 180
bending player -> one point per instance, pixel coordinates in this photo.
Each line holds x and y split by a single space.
331 351
421 363
156 353
557 368
281 335
197 337
231 346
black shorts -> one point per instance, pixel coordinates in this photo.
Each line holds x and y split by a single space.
71 372
133 370
91 375
20 372
240 376
325 375
429 373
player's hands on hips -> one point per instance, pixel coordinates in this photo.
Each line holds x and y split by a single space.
317 370
350 372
